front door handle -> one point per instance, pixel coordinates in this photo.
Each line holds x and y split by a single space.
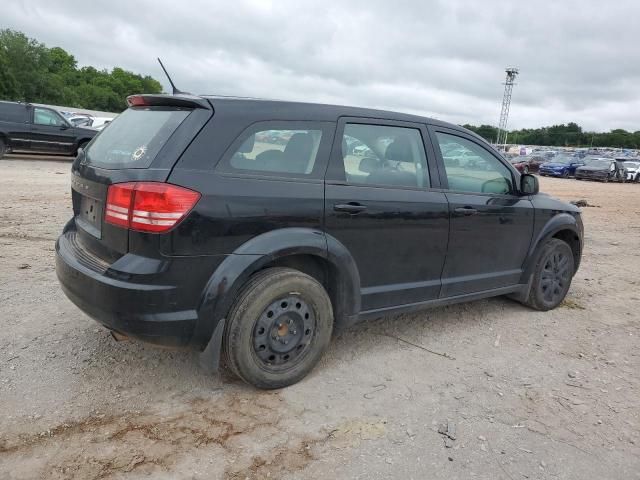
466 211
351 207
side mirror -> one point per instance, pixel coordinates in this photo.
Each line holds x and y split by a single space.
64 126
529 184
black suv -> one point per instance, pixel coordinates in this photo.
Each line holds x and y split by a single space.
254 228
33 128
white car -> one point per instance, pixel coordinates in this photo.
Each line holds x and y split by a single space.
633 171
100 122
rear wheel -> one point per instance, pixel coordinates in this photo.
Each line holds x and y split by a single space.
552 276
565 174
278 328
3 148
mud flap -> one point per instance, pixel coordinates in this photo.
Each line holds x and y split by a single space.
210 356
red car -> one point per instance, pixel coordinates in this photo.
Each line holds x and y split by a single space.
528 163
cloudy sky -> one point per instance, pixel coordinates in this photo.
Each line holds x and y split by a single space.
579 60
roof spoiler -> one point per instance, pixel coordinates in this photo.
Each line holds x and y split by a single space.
186 101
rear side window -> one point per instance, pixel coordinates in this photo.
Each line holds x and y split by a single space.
12 112
278 151
134 138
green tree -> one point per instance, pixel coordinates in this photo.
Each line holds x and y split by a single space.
30 71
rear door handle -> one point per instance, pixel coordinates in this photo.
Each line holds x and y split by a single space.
466 211
351 207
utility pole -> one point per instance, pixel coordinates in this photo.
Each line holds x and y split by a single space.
512 72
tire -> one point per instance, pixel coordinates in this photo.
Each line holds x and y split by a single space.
276 307
3 148
606 179
554 268
565 174
525 170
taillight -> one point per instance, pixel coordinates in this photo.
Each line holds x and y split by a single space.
148 206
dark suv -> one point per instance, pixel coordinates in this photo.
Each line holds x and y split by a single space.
255 228
33 128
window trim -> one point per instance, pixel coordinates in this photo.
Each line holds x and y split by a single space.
327 128
515 175
336 174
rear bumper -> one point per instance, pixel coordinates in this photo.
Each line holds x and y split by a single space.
151 312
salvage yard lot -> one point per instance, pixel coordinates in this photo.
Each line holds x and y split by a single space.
529 394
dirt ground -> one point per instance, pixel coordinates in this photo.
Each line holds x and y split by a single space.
526 394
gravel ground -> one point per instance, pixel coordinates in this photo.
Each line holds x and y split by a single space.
525 394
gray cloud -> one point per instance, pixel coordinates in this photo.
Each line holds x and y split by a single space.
579 60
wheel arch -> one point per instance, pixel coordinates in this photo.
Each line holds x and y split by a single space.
308 250
563 226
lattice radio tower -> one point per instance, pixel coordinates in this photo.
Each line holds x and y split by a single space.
506 103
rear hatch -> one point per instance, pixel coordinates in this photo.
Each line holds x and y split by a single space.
141 145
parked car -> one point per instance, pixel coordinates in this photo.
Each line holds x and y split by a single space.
25 127
633 171
520 163
187 232
527 163
80 120
99 122
561 166
603 169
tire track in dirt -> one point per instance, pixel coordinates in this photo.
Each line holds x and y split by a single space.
248 436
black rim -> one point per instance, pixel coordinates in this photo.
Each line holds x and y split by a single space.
555 277
283 333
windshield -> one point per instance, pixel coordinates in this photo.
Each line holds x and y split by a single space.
134 138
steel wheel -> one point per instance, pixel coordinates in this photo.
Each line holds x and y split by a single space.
283 333
278 328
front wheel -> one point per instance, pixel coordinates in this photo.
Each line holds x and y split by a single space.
3 148
525 170
565 174
278 328
552 276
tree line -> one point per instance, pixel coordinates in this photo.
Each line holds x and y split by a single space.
569 135
32 72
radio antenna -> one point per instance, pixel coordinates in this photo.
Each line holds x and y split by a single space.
175 90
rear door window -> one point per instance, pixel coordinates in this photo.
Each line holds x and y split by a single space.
134 138
12 112
384 155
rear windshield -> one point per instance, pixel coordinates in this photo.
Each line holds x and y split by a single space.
134 138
